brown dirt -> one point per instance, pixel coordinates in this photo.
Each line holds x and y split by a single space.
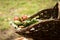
9 35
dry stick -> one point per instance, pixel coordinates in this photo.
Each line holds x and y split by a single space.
58 10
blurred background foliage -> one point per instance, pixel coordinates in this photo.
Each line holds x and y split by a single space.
11 8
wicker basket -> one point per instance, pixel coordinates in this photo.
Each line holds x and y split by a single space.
47 29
